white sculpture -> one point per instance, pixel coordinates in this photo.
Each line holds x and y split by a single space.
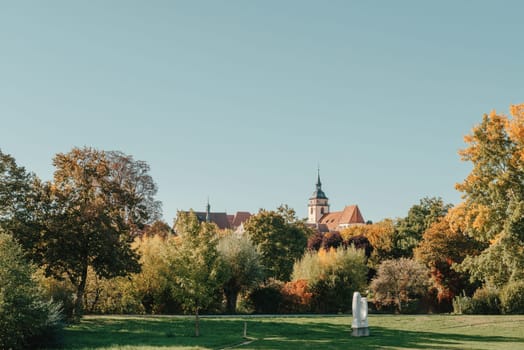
360 316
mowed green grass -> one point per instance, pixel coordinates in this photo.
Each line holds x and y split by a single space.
302 332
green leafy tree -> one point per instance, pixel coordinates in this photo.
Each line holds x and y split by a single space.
195 265
399 281
281 239
26 318
15 185
88 216
153 284
243 263
19 199
409 230
493 192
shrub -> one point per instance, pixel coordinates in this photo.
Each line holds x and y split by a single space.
332 277
485 301
462 305
361 242
267 298
26 318
398 282
512 298
332 240
59 291
296 297
314 242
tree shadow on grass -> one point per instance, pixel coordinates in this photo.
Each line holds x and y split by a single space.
330 336
266 334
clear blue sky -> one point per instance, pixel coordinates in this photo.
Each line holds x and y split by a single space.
239 100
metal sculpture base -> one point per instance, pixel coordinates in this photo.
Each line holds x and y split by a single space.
360 332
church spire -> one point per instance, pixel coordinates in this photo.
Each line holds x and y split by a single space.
319 184
208 211
318 203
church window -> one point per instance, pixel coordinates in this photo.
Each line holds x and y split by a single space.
321 210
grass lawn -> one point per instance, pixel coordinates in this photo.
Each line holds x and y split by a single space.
303 332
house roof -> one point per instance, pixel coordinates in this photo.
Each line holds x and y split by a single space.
240 218
223 220
220 219
350 215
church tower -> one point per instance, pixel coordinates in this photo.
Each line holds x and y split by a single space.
318 203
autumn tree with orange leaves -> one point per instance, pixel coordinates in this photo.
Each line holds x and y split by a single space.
493 193
442 247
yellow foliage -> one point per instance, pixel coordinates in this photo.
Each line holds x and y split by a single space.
457 218
352 231
496 239
516 130
481 215
380 234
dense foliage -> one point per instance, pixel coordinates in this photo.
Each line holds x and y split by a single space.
281 239
94 233
27 319
332 276
398 282
243 267
493 207
195 265
441 248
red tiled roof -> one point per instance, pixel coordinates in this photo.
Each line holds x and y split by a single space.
350 215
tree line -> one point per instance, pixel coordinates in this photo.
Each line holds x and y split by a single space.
91 241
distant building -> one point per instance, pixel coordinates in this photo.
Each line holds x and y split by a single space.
320 218
224 221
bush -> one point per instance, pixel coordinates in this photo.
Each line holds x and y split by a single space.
462 305
485 301
296 297
26 318
267 298
332 277
332 240
361 242
61 292
314 242
512 298
399 282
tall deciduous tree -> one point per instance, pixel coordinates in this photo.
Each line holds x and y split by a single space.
15 185
409 230
195 264
89 214
440 249
243 266
493 207
281 239
19 198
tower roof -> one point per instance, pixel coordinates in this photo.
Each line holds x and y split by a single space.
318 194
